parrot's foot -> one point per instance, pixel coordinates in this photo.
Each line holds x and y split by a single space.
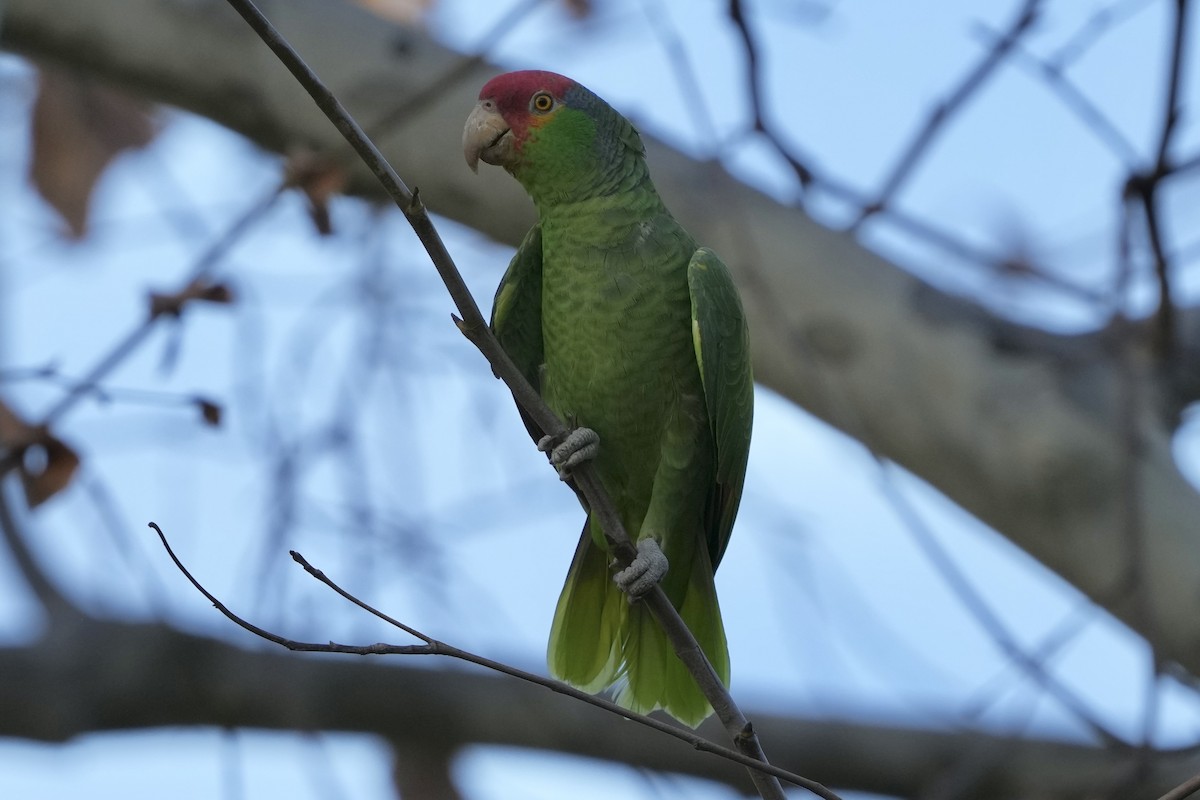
570 450
645 572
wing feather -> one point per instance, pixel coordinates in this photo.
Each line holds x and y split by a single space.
722 345
517 313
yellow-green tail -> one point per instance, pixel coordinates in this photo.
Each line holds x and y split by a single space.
599 639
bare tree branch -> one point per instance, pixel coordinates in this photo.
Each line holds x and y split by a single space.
103 676
1145 187
195 287
737 15
1092 117
945 110
1101 21
44 589
975 604
434 647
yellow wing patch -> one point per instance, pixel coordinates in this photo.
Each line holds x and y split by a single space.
696 343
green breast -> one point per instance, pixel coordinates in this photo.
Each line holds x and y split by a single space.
616 323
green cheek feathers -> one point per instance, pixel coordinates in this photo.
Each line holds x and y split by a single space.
551 162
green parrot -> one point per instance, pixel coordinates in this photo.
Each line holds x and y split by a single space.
630 330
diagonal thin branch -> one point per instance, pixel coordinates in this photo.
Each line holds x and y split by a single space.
432 646
811 176
200 271
1183 790
946 109
1090 114
685 76
52 600
1102 20
1187 165
475 328
978 608
166 306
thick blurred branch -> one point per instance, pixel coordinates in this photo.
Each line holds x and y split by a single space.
17 544
103 676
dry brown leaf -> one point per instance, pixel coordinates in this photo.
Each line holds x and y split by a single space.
579 8
320 179
46 464
200 289
56 470
405 12
210 411
78 127
14 432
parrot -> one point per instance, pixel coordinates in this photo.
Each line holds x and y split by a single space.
636 336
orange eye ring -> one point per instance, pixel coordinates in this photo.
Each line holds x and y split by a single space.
541 102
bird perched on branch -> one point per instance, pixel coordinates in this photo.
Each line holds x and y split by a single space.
632 331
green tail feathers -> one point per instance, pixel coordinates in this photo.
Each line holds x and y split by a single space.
599 639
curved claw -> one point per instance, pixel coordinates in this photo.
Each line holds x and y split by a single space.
569 451
645 572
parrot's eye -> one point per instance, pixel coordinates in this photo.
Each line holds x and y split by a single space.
541 102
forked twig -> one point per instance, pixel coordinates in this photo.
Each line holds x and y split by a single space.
1146 187
433 647
195 286
944 110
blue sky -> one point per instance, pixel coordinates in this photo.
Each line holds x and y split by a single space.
832 606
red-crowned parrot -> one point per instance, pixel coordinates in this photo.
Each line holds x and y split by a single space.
630 330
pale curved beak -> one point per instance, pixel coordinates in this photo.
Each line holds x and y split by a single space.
486 136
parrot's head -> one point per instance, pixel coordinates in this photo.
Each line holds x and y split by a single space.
553 135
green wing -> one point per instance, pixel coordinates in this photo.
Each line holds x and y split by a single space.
517 313
723 354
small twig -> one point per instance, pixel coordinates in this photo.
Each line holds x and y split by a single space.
39 583
1099 23
1164 330
475 328
810 176
685 77
1172 109
434 647
946 109
758 108
1041 654
753 78
192 288
943 240
51 374
1092 117
1146 187
1187 164
978 608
